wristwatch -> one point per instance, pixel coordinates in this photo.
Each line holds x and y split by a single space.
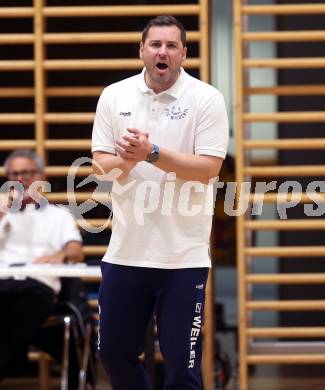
154 155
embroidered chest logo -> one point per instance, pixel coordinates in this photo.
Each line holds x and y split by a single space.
125 113
176 113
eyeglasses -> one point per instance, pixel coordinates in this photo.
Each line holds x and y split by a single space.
27 174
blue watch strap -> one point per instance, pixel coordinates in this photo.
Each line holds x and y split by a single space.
154 155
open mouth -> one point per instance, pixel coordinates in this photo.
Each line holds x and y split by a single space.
161 66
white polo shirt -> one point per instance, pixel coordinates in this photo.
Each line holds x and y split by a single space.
28 234
158 221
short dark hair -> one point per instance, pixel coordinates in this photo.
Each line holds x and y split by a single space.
164 20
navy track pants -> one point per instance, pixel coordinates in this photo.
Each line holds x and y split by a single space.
128 297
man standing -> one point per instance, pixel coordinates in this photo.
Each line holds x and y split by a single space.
36 233
165 133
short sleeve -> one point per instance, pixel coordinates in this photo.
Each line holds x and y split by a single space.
102 136
68 228
4 221
212 131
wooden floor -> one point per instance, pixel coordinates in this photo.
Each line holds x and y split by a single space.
298 377
282 384
33 384
262 378
255 384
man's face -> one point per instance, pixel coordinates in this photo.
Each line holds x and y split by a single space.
23 170
163 54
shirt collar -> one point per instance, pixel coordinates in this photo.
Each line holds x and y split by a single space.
173 91
32 207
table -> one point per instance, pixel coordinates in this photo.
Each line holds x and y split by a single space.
53 270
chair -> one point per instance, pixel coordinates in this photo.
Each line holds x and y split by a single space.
72 318
44 359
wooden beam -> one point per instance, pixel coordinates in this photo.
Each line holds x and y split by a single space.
16 39
94 250
285 36
16 12
286 251
290 305
282 198
100 63
16 65
116 10
290 332
290 90
68 144
283 9
312 116
285 63
102 37
286 170
316 358
293 224
296 278
17 118
288 144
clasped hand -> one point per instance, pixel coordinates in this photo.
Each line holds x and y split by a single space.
135 146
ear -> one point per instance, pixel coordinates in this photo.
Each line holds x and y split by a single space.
184 54
141 50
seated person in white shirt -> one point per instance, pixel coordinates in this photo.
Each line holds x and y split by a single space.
33 234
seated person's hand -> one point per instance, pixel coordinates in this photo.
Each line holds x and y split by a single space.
6 201
57 258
